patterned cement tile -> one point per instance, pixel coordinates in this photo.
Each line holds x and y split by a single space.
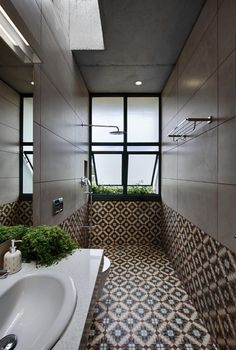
207 270
144 305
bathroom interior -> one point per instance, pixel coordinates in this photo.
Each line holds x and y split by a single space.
117 130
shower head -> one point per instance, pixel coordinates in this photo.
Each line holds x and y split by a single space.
117 132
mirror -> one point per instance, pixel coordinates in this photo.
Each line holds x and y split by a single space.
16 139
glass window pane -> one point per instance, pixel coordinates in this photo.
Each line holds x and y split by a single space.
108 168
27 171
107 148
28 119
143 148
107 111
140 169
143 119
28 148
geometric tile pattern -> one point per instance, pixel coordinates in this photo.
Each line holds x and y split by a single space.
25 213
125 222
207 269
16 213
144 305
8 214
74 226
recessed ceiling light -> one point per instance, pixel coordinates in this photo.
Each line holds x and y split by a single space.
138 83
32 82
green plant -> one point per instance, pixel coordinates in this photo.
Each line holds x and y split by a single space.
12 232
46 245
139 189
107 190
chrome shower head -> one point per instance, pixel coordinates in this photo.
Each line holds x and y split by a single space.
117 132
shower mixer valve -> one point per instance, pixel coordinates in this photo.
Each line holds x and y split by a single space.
85 181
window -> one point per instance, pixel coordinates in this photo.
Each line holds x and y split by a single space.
126 164
26 147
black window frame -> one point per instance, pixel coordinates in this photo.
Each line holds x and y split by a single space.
23 196
125 153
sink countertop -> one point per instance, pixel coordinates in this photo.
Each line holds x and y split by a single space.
83 266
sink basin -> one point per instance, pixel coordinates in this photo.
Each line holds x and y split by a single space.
36 308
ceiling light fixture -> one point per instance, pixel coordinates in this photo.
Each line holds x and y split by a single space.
8 35
3 12
138 82
11 35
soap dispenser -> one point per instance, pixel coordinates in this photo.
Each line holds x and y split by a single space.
12 259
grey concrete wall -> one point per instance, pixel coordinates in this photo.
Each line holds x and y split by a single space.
9 144
199 175
60 103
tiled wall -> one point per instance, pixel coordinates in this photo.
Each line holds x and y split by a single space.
208 271
199 175
16 213
60 104
9 144
74 225
125 222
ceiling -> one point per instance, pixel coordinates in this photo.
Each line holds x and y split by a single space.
16 74
143 39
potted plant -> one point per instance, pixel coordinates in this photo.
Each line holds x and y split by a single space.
43 244
46 245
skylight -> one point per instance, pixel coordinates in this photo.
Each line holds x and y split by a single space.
85 25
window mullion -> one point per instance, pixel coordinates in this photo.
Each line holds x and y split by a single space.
125 171
125 156
154 169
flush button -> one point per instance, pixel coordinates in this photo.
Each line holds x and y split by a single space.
57 206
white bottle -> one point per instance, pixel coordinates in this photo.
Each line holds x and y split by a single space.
12 259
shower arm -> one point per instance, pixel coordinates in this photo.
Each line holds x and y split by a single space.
101 126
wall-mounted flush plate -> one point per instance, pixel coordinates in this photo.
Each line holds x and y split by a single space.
57 206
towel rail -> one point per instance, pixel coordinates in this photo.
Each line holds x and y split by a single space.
187 126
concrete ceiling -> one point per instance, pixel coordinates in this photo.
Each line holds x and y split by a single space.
13 72
143 39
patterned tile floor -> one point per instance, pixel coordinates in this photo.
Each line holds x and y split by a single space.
144 306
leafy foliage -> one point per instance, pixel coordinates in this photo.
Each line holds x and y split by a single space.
139 189
119 190
43 244
12 232
46 245
107 190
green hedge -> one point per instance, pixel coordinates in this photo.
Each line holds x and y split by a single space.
12 232
119 190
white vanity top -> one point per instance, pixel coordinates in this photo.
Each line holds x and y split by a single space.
83 266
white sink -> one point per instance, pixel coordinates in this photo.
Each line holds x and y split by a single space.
36 308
